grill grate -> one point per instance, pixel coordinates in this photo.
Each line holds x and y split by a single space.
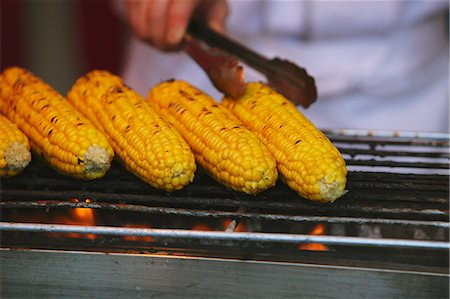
398 198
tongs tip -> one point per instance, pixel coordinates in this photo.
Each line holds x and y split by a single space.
224 70
226 73
293 82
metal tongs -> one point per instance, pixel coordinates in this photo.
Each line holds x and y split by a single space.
221 63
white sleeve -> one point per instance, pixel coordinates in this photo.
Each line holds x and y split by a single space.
326 19
418 10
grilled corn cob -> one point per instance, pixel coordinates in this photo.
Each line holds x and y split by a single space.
308 162
146 144
14 149
57 132
231 153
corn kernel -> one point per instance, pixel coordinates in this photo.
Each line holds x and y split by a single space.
320 173
52 125
147 145
221 143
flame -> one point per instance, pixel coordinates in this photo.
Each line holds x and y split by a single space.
84 216
138 238
78 216
318 230
201 227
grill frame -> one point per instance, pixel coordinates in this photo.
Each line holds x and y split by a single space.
426 196
69 274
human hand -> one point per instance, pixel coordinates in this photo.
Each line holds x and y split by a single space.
163 23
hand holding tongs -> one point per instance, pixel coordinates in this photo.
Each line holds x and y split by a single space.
227 75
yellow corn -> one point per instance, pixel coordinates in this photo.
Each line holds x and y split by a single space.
308 162
14 149
222 145
146 144
57 132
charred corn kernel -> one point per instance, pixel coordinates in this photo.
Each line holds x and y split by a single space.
145 143
221 143
308 162
57 132
14 148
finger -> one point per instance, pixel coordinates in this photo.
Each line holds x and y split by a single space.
144 7
216 14
133 9
179 14
156 20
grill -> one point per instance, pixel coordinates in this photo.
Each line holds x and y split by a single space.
391 228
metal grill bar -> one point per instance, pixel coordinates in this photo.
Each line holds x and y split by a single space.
422 137
426 207
376 163
375 181
397 203
222 214
222 236
380 203
376 141
385 153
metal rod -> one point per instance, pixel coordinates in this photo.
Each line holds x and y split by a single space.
250 57
223 214
437 143
235 222
387 134
224 236
376 163
232 226
432 156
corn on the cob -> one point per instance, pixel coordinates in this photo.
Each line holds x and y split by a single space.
231 153
57 132
146 144
308 162
14 148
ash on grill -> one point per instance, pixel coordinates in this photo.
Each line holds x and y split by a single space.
395 215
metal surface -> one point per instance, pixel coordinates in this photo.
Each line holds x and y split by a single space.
394 218
224 70
237 215
71 274
284 76
391 136
222 236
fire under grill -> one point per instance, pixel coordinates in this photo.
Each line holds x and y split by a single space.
395 216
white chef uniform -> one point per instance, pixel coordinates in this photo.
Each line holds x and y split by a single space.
379 65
